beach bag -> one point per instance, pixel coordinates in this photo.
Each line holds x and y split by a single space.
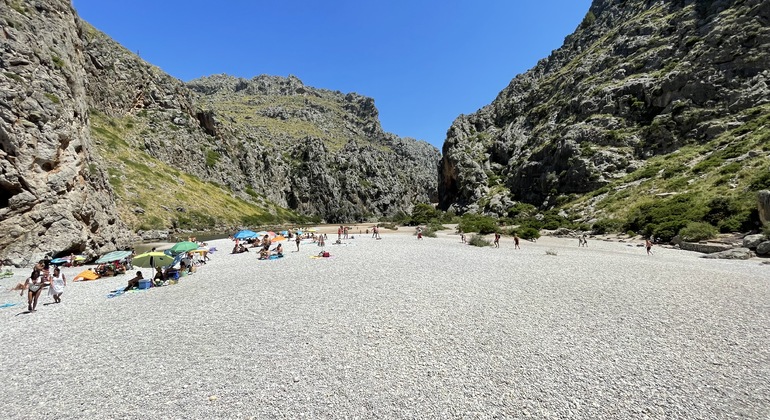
325 254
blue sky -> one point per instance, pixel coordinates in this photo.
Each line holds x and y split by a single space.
423 62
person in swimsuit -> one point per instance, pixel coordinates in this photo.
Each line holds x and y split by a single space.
297 240
34 286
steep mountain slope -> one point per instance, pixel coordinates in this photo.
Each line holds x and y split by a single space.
645 98
96 143
317 152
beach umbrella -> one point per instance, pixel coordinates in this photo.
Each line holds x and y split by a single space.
298 231
261 233
271 234
243 234
278 238
112 256
152 259
183 246
284 232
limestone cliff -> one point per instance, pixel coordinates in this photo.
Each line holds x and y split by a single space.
51 198
644 97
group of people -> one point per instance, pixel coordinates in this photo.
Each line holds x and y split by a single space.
40 278
163 275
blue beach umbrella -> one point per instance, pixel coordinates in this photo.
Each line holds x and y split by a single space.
245 234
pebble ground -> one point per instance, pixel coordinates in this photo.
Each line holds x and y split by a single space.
401 328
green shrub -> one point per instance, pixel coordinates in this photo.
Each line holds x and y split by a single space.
479 240
477 223
761 181
429 232
435 226
666 231
530 223
523 210
212 158
665 217
630 233
528 233
422 213
697 231
607 225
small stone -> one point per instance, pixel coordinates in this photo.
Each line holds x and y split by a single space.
213 398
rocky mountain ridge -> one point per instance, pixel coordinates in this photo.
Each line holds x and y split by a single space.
95 142
644 98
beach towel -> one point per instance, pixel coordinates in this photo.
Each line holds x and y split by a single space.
8 305
86 275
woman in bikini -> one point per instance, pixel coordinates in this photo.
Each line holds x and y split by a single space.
34 287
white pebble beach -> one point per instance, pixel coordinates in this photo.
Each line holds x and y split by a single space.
402 328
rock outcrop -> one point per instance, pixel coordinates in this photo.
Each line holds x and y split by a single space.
51 198
731 254
763 206
636 80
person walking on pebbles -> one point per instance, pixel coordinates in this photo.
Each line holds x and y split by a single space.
497 240
298 239
58 283
648 245
34 287
516 241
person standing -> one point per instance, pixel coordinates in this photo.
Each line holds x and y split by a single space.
58 283
497 240
648 245
34 286
297 239
516 241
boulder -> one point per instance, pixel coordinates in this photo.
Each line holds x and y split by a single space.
763 248
752 241
731 254
706 248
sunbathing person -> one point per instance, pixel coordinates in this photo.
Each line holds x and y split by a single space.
159 278
278 250
134 282
264 254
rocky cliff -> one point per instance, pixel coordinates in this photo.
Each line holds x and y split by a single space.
51 200
96 142
644 98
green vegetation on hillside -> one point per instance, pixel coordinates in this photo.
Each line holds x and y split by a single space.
153 195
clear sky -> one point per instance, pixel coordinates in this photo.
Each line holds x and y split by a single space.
424 62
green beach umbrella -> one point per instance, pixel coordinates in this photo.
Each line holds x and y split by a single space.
152 259
184 246
112 256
